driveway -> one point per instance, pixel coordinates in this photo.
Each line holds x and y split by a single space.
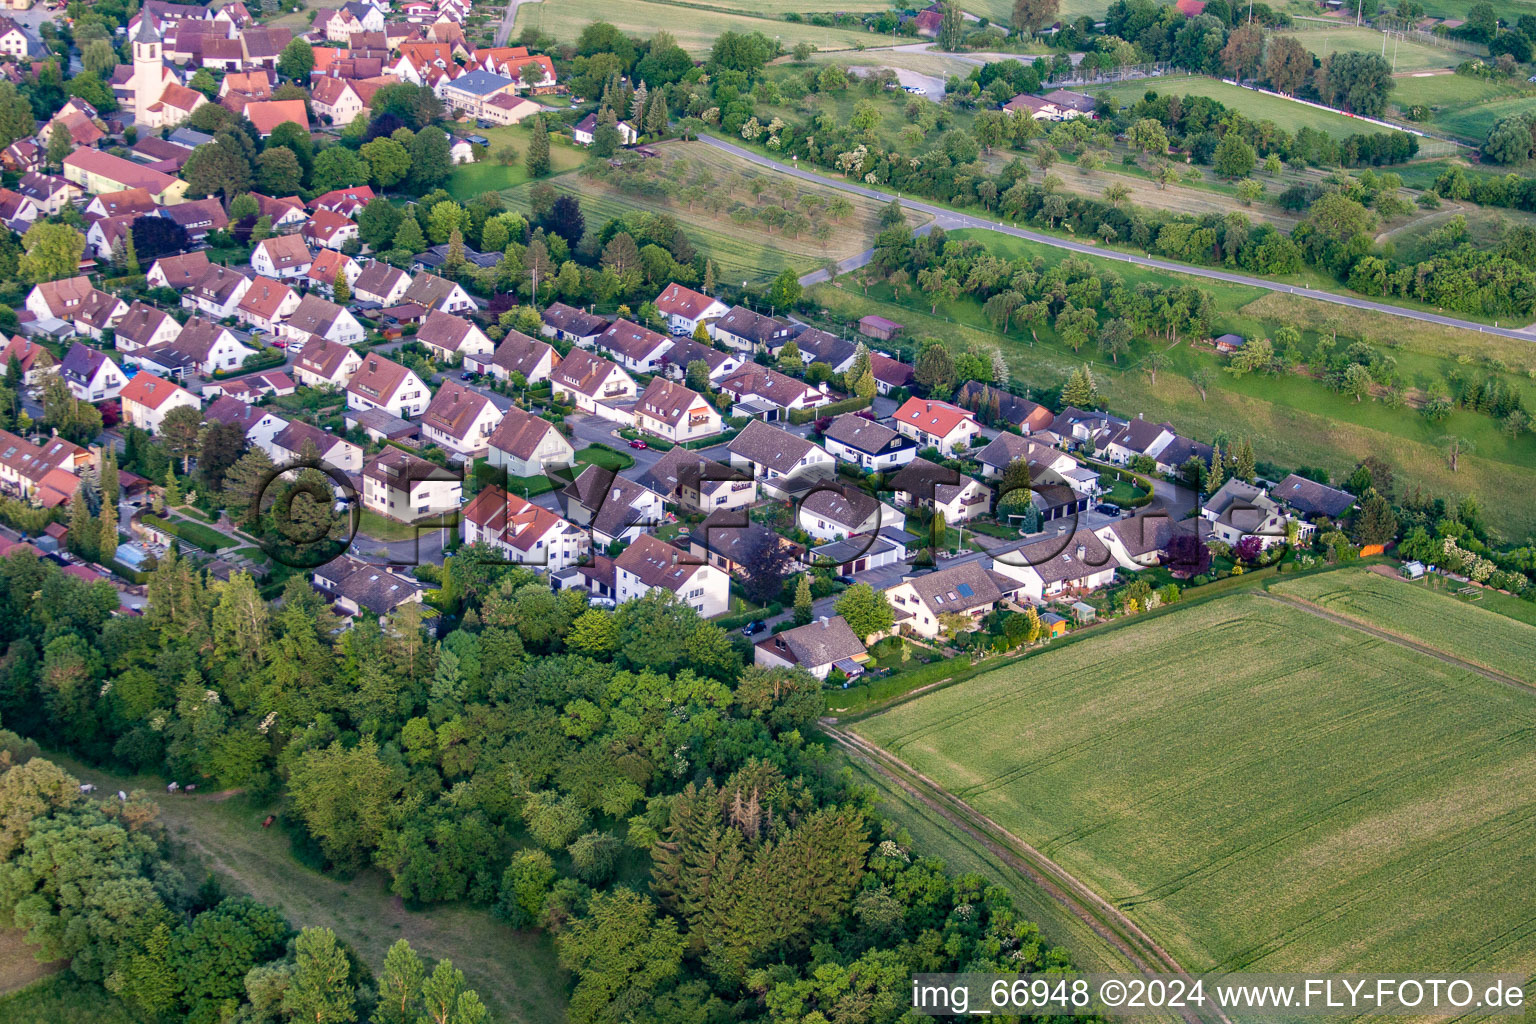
504 30
951 220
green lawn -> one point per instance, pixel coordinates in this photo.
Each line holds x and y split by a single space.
1291 419
602 455
381 527
1414 611
1284 113
514 971
1473 123
205 537
1214 773
469 180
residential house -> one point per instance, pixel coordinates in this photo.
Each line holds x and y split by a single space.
288 444
266 115
218 292
585 132
935 424
356 587
591 382
737 546
502 108
783 464
318 316
962 502
407 488
686 351
329 230
17 212
818 346
178 272
759 391
282 256
75 300
259 424
336 100
970 590
817 647
50 192
867 443
328 265
637 349
452 339
523 532
1179 451
517 354
1044 460
267 304
999 407
697 483
890 374
1310 498
527 445
471 93
131 202
326 364
144 326
834 511
349 202
460 420
678 414
566 323
1058 566
380 383
432 292
685 309
863 553
1136 439
147 400
1073 104
746 331
381 283
198 217
613 507
202 345
288 213
90 374
1239 510
1139 541
649 564
34 361
1037 107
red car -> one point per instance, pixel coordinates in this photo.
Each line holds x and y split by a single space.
638 444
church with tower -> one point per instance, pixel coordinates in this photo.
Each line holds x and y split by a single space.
152 90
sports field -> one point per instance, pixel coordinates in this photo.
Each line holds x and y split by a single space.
1401 54
694 26
1285 113
1424 616
1259 787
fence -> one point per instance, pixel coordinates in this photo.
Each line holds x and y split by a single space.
1107 76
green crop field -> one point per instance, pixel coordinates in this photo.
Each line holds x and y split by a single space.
1414 611
694 26
1285 113
1402 54
1214 773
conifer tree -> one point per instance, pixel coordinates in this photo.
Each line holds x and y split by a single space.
803 600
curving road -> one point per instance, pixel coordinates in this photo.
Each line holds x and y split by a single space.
950 219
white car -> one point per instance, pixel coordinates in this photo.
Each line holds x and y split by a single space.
916 90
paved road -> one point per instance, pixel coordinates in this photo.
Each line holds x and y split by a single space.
504 30
950 220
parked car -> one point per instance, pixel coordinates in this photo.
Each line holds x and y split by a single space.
1107 509
468 375
754 627
279 343
637 443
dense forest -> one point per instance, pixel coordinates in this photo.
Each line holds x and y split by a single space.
616 777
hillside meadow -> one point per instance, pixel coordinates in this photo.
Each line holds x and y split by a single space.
1292 419
1215 774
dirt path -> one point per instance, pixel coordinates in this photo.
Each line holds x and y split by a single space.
1401 641
1106 920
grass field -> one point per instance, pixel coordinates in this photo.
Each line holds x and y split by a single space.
1408 55
18 967
469 180
741 251
515 972
1473 122
1291 419
1001 11
1414 611
1284 113
1486 227
695 26
1216 775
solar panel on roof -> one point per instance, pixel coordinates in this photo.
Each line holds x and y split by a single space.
965 590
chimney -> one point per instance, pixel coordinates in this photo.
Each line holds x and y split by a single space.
1082 550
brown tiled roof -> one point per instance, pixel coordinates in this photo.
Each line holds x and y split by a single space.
322 357
1058 559
760 382
266 115
684 302
141 322
766 445
378 378
667 401
444 330
315 315
428 290
285 251
129 201
816 643
631 341
454 409
520 433
378 279
263 298
656 563
148 390
519 353
583 371
574 321
847 507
